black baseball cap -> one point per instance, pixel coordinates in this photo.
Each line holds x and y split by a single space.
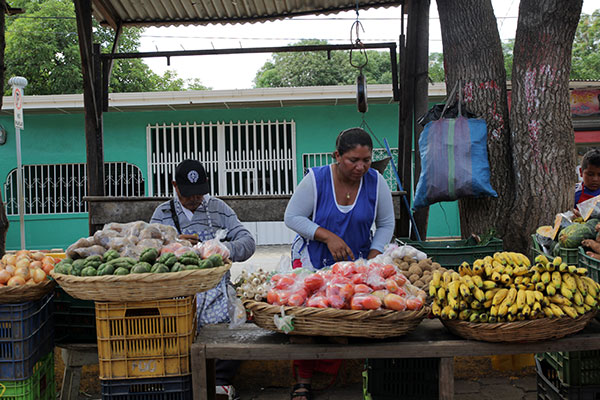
191 178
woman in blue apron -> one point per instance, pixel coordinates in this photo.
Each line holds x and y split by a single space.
341 211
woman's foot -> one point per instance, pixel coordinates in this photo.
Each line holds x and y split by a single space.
301 391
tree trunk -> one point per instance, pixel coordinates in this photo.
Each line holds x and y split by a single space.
3 219
473 55
542 131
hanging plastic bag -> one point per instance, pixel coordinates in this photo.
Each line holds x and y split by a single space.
589 208
214 246
454 161
237 312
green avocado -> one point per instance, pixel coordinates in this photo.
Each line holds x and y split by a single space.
121 271
89 271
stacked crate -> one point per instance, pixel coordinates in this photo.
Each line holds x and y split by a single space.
27 350
144 349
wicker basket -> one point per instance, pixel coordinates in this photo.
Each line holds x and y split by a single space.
519 331
310 321
20 294
141 287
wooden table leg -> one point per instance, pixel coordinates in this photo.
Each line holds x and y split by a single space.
210 379
446 373
199 384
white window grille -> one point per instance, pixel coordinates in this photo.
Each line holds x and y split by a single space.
240 158
310 160
60 188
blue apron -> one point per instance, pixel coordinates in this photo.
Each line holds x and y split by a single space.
353 226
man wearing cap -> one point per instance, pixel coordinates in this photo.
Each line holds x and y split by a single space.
197 216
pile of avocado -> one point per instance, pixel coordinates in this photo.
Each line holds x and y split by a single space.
111 263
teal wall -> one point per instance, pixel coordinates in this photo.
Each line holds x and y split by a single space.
60 138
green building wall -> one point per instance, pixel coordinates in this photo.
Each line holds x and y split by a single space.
60 138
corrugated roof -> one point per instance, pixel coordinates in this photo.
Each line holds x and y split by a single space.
203 12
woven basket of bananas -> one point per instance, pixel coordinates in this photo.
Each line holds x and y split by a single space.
506 298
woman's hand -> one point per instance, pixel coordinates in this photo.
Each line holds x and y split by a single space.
193 239
373 253
336 245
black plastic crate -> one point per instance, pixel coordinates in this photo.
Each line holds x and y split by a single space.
26 335
550 387
168 388
74 319
401 378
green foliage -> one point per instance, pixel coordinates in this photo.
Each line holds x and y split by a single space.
507 50
436 67
316 69
42 45
585 63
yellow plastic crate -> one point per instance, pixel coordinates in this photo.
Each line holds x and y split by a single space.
145 339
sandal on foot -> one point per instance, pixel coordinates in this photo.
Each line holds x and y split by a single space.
307 394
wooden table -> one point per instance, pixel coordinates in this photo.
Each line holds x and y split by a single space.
430 339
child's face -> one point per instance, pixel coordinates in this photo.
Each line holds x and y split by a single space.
591 177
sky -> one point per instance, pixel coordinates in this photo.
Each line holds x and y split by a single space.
238 71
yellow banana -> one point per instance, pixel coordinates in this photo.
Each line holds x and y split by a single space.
474 317
540 258
535 278
436 309
526 280
524 260
487 259
453 289
452 314
526 311
441 293
479 294
522 298
540 286
455 276
578 298
511 318
511 296
590 286
564 290
506 279
563 267
560 300
432 290
444 312
487 304
556 310
447 277
462 305
581 271
551 290
499 257
488 269
483 317
435 279
493 311
590 301
520 271
570 311
518 280
556 279
545 278
477 281
477 265
556 262
513 309
580 309
468 281
536 307
508 270
496 277
502 309
572 269
476 305
551 267
548 312
539 296
487 285
464 315
580 285
530 297
489 294
464 291
587 307
498 267
569 282
499 296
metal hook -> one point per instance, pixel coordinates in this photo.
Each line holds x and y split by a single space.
357 25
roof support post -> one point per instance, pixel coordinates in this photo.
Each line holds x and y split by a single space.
92 99
413 100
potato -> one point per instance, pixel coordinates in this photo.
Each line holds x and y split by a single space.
419 284
426 272
408 259
413 278
436 265
403 266
415 270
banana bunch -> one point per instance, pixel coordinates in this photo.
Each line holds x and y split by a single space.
507 288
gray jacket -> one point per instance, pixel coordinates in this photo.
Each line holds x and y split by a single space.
213 214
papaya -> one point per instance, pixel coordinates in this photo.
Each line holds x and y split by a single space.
177 267
121 271
106 269
89 271
168 259
592 222
110 255
571 236
141 268
149 255
159 268
543 235
216 260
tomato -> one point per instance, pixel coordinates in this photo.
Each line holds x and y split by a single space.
394 302
399 278
317 302
359 278
346 291
361 288
313 282
335 301
391 285
371 302
414 303
349 269
285 282
388 270
47 268
296 299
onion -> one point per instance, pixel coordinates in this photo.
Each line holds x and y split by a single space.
23 272
35 264
4 276
48 260
11 259
10 269
38 275
22 252
16 281
37 256
22 263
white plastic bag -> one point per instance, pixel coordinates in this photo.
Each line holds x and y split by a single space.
398 251
214 246
237 312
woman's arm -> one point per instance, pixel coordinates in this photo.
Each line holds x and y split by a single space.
384 221
300 208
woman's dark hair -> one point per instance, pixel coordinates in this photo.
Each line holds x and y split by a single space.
592 157
349 138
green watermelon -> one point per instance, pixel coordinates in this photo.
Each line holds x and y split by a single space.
571 236
592 222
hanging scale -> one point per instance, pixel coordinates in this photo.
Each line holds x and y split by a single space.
361 81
